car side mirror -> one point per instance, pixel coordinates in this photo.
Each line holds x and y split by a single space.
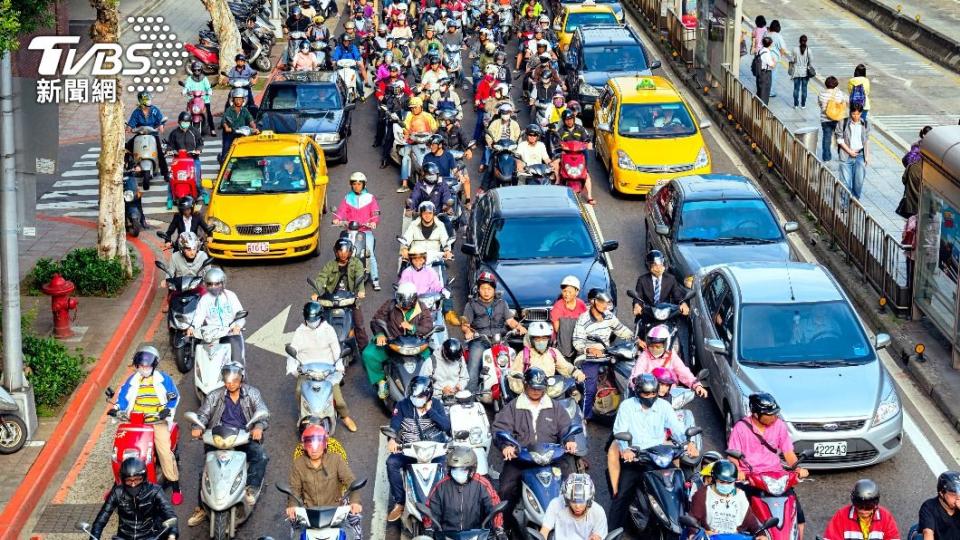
556 27
716 346
662 230
609 245
791 226
603 126
655 65
468 249
706 124
882 341
207 183
350 106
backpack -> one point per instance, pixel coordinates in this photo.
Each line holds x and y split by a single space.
836 109
526 357
858 95
755 65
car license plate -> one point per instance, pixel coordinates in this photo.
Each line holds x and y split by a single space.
258 247
830 449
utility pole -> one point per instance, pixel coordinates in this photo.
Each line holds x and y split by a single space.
13 378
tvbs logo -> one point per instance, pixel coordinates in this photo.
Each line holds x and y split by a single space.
107 58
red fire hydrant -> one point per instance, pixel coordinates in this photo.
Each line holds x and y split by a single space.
59 289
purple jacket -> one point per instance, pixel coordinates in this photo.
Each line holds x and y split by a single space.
425 280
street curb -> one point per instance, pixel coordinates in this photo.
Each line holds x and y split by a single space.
30 492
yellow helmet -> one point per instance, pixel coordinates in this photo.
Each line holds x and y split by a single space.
707 471
416 102
318 19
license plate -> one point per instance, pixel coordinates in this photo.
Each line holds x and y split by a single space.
258 247
830 449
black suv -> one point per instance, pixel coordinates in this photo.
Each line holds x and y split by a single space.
313 103
599 53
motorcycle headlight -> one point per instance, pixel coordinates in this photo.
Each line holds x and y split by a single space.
218 225
661 314
533 502
541 458
503 360
327 138
889 405
476 436
236 482
662 460
624 161
424 454
588 90
300 222
129 195
776 486
703 159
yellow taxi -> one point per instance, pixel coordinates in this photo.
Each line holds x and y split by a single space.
646 133
267 200
574 16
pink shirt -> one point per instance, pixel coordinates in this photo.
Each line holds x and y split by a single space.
560 311
646 363
758 457
362 208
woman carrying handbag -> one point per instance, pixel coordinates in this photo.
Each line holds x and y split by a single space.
801 70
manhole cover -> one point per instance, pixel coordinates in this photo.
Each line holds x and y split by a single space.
63 518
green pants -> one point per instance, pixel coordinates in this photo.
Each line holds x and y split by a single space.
373 359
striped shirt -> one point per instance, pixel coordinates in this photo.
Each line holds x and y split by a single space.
148 402
604 329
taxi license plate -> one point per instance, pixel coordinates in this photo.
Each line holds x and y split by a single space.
830 449
258 247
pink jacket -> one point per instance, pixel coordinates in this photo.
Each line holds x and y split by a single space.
646 364
362 208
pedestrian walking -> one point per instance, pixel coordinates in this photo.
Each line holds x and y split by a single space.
762 68
910 201
859 89
759 31
833 108
801 70
778 49
853 135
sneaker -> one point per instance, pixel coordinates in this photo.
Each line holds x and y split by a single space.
452 318
395 513
796 107
376 285
176 498
349 424
199 516
804 107
403 189
382 392
250 496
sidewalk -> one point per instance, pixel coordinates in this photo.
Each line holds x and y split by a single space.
941 15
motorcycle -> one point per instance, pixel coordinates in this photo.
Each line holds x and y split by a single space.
358 238
13 430
225 475
470 426
453 62
539 113
418 478
495 359
562 391
695 531
616 534
338 312
664 313
540 174
404 362
167 526
327 8
185 293
541 475
210 355
573 164
243 84
196 108
183 174
504 160
774 501
325 522
134 438
506 23
146 154
418 149
315 380
347 73
293 46
132 205
483 533
613 377
206 52
662 486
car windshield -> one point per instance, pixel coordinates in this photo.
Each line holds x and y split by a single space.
655 121
809 334
568 2
539 237
615 58
303 97
258 175
727 220
575 20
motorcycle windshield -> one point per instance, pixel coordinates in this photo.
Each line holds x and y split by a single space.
472 534
321 518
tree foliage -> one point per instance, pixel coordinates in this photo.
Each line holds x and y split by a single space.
19 17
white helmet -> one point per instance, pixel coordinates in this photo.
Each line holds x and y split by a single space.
570 281
539 329
358 177
491 69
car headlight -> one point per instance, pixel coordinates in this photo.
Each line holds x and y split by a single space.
624 161
588 90
129 195
327 138
776 486
300 222
703 159
889 405
218 225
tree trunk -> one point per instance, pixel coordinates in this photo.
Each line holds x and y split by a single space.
111 226
225 26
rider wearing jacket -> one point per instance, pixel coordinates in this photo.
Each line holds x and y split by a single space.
345 273
419 274
361 206
657 355
318 477
426 232
185 220
217 307
538 353
449 375
140 505
863 517
403 315
596 323
483 317
462 499
188 260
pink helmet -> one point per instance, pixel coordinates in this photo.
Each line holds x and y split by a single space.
664 375
658 334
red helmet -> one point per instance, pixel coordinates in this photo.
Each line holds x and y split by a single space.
487 277
314 438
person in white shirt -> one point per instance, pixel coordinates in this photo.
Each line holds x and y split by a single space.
217 307
767 65
778 49
532 151
853 150
574 516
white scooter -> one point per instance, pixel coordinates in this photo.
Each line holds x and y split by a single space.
315 380
680 398
325 522
210 355
470 427
225 475
146 154
418 478
347 72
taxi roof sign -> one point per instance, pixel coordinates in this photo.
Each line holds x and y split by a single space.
589 3
646 83
267 135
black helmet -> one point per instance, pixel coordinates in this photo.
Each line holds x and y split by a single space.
341 244
146 356
534 129
295 10
184 116
535 378
420 386
948 481
312 312
725 471
452 350
196 67
406 295
865 494
654 256
462 457
240 57
185 203
431 173
599 294
436 138
645 383
133 466
568 114
763 403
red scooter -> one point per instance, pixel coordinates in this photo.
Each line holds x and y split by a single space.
134 438
573 164
196 108
207 53
775 501
183 174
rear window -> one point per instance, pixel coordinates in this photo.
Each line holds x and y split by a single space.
575 20
323 97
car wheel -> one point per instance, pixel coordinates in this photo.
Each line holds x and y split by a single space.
728 421
345 157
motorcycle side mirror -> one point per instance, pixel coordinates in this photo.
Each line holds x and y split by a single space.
771 523
388 432
614 534
468 249
170 523
703 375
291 352
161 266
623 436
357 485
242 314
689 521
470 145
313 285
633 294
285 489
163 236
424 510
109 392
347 351
195 420
257 417
693 431
180 83
497 509
804 455
83 526
735 454
572 432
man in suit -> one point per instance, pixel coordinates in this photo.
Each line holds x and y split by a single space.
656 286
185 220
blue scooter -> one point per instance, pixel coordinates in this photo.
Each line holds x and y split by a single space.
133 205
695 531
561 390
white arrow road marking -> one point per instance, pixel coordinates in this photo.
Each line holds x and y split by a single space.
381 492
270 337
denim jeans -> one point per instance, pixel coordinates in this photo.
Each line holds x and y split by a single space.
852 172
478 129
800 91
371 243
826 139
406 162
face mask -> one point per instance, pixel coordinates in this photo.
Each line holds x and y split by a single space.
145 371
133 491
540 346
725 489
647 402
147 103
460 475
215 289
418 402
184 125
505 117
314 324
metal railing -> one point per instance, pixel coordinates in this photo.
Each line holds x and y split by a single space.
874 252
681 38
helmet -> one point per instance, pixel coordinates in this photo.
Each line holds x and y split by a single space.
570 281
431 173
505 108
436 138
644 383
143 98
546 74
500 57
415 102
312 312
568 114
146 355
231 369
658 334
295 10
535 378
349 25
543 43
185 203
421 386
196 67
188 240
501 88
574 106
452 350
724 470
865 494
490 47
240 57
342 244
539 329
453 23
578 489
184 116
238 93
545 19
346 38
655 256
462 457
763 403
664 375
948 481
434 58
214 276
534 129
131 467
491 70
319 19
314 437
599 294
382 28
358 177
304 45
406 295
418 250
488 278
448 115
443 81
394 67
709 458
427 206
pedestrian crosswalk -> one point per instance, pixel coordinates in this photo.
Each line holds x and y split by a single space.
76 190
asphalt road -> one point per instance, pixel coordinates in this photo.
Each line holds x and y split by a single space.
268 289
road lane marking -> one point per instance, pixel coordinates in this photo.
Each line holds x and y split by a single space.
381 492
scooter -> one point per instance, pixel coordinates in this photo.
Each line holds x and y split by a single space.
483 533
664 313
418 149
541 475
196 108
662 486
185 293
327 8
418 478
338 312
347 73
132 205
695 531
613 377
495 359
225 475
167 526
134 438
358 238
206 52
504 161
210 355
534 534
775 502
244 84
404 362
293 46
453 62
259 52
315 380
470 426
146 154
573 164
434 302
506 23
13 430
537 175
322 523
183 174
561 390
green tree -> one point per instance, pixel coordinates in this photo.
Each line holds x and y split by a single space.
22 17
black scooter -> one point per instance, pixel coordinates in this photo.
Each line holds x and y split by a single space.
483 533
184 292
338 312
666 314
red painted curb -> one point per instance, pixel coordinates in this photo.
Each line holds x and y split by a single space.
27 497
